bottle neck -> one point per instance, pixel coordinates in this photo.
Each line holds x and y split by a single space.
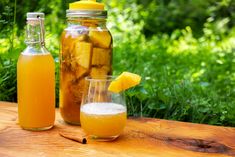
35 33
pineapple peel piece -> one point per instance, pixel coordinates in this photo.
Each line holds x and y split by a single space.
83 54
124 81
100 38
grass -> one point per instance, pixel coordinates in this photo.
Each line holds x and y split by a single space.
184 78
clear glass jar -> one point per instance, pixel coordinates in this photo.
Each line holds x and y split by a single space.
86 50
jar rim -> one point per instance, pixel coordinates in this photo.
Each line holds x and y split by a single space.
87 13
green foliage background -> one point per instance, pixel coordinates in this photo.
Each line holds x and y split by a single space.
184 51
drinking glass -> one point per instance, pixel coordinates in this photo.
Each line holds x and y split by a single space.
103 113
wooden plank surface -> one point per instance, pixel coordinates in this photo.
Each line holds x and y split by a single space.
141 137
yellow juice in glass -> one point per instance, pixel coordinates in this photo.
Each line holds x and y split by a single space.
36 91
103 119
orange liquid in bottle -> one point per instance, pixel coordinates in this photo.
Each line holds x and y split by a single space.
36 91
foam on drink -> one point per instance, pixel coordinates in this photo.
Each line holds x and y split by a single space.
103 108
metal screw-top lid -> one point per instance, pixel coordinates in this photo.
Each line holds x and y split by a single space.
86 13
35 15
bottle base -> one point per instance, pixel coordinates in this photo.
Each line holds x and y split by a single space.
37 129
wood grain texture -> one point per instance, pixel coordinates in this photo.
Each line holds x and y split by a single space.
141 137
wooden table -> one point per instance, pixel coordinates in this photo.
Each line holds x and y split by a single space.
141 137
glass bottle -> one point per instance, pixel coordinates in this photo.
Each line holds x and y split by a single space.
86 50
36 79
